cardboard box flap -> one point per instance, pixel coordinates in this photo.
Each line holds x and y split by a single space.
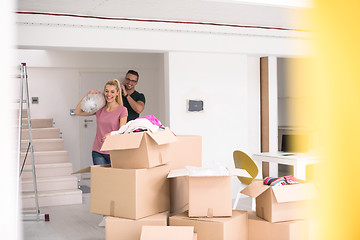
167 232
122 141
212 173
255 189
296 192
239 172
162 136
84 170
178 173
87 169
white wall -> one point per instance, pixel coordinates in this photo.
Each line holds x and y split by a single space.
230 119
54 77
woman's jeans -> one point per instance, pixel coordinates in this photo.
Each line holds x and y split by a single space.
99 158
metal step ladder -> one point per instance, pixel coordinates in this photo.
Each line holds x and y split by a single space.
32 214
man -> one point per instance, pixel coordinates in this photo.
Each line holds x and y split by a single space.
132 99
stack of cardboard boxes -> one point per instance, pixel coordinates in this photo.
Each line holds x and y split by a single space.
209 204
147 185
134 191
282 212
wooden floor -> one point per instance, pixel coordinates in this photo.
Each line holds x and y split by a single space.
66 222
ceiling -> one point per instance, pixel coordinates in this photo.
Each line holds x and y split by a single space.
239 12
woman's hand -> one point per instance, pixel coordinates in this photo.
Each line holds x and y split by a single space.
93 92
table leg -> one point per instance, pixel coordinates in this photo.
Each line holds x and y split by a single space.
273 169
259 165
299 171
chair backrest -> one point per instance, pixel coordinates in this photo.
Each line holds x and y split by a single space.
243 161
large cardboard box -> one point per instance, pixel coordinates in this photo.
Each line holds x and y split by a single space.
227 228
167 233
260 229
128 229
282 203
208 196
187 151
129 193
139 149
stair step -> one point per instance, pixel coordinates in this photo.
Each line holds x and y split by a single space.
39 123
52 198
41 133
47 157
50 183
40 145
48 170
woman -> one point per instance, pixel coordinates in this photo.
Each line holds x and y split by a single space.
109 118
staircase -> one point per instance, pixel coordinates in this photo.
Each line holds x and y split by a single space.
56 186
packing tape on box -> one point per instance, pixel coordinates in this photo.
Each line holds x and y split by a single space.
210 212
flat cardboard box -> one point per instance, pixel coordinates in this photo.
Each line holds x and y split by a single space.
167 233
227 228
129 193
260 229
208 196
187 151
139 149
282 203
128 229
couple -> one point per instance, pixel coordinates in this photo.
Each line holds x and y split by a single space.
116 112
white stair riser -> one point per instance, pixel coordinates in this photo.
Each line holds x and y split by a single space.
44 145
50 185
46 157
48 172
55 200
41 133
39 123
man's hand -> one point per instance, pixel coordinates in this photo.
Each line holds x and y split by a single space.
124 92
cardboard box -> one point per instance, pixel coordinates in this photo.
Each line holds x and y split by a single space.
179 195
227 228
127 229
260 229
167 233
208 196
282 203
129 193
140 149
187 151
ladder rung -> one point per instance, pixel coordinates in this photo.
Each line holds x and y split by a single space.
27 170
18 100
29 211
24 125
28 191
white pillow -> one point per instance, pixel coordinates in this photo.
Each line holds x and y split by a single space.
93 102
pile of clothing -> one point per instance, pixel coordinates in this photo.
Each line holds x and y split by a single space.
286 180
146 123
